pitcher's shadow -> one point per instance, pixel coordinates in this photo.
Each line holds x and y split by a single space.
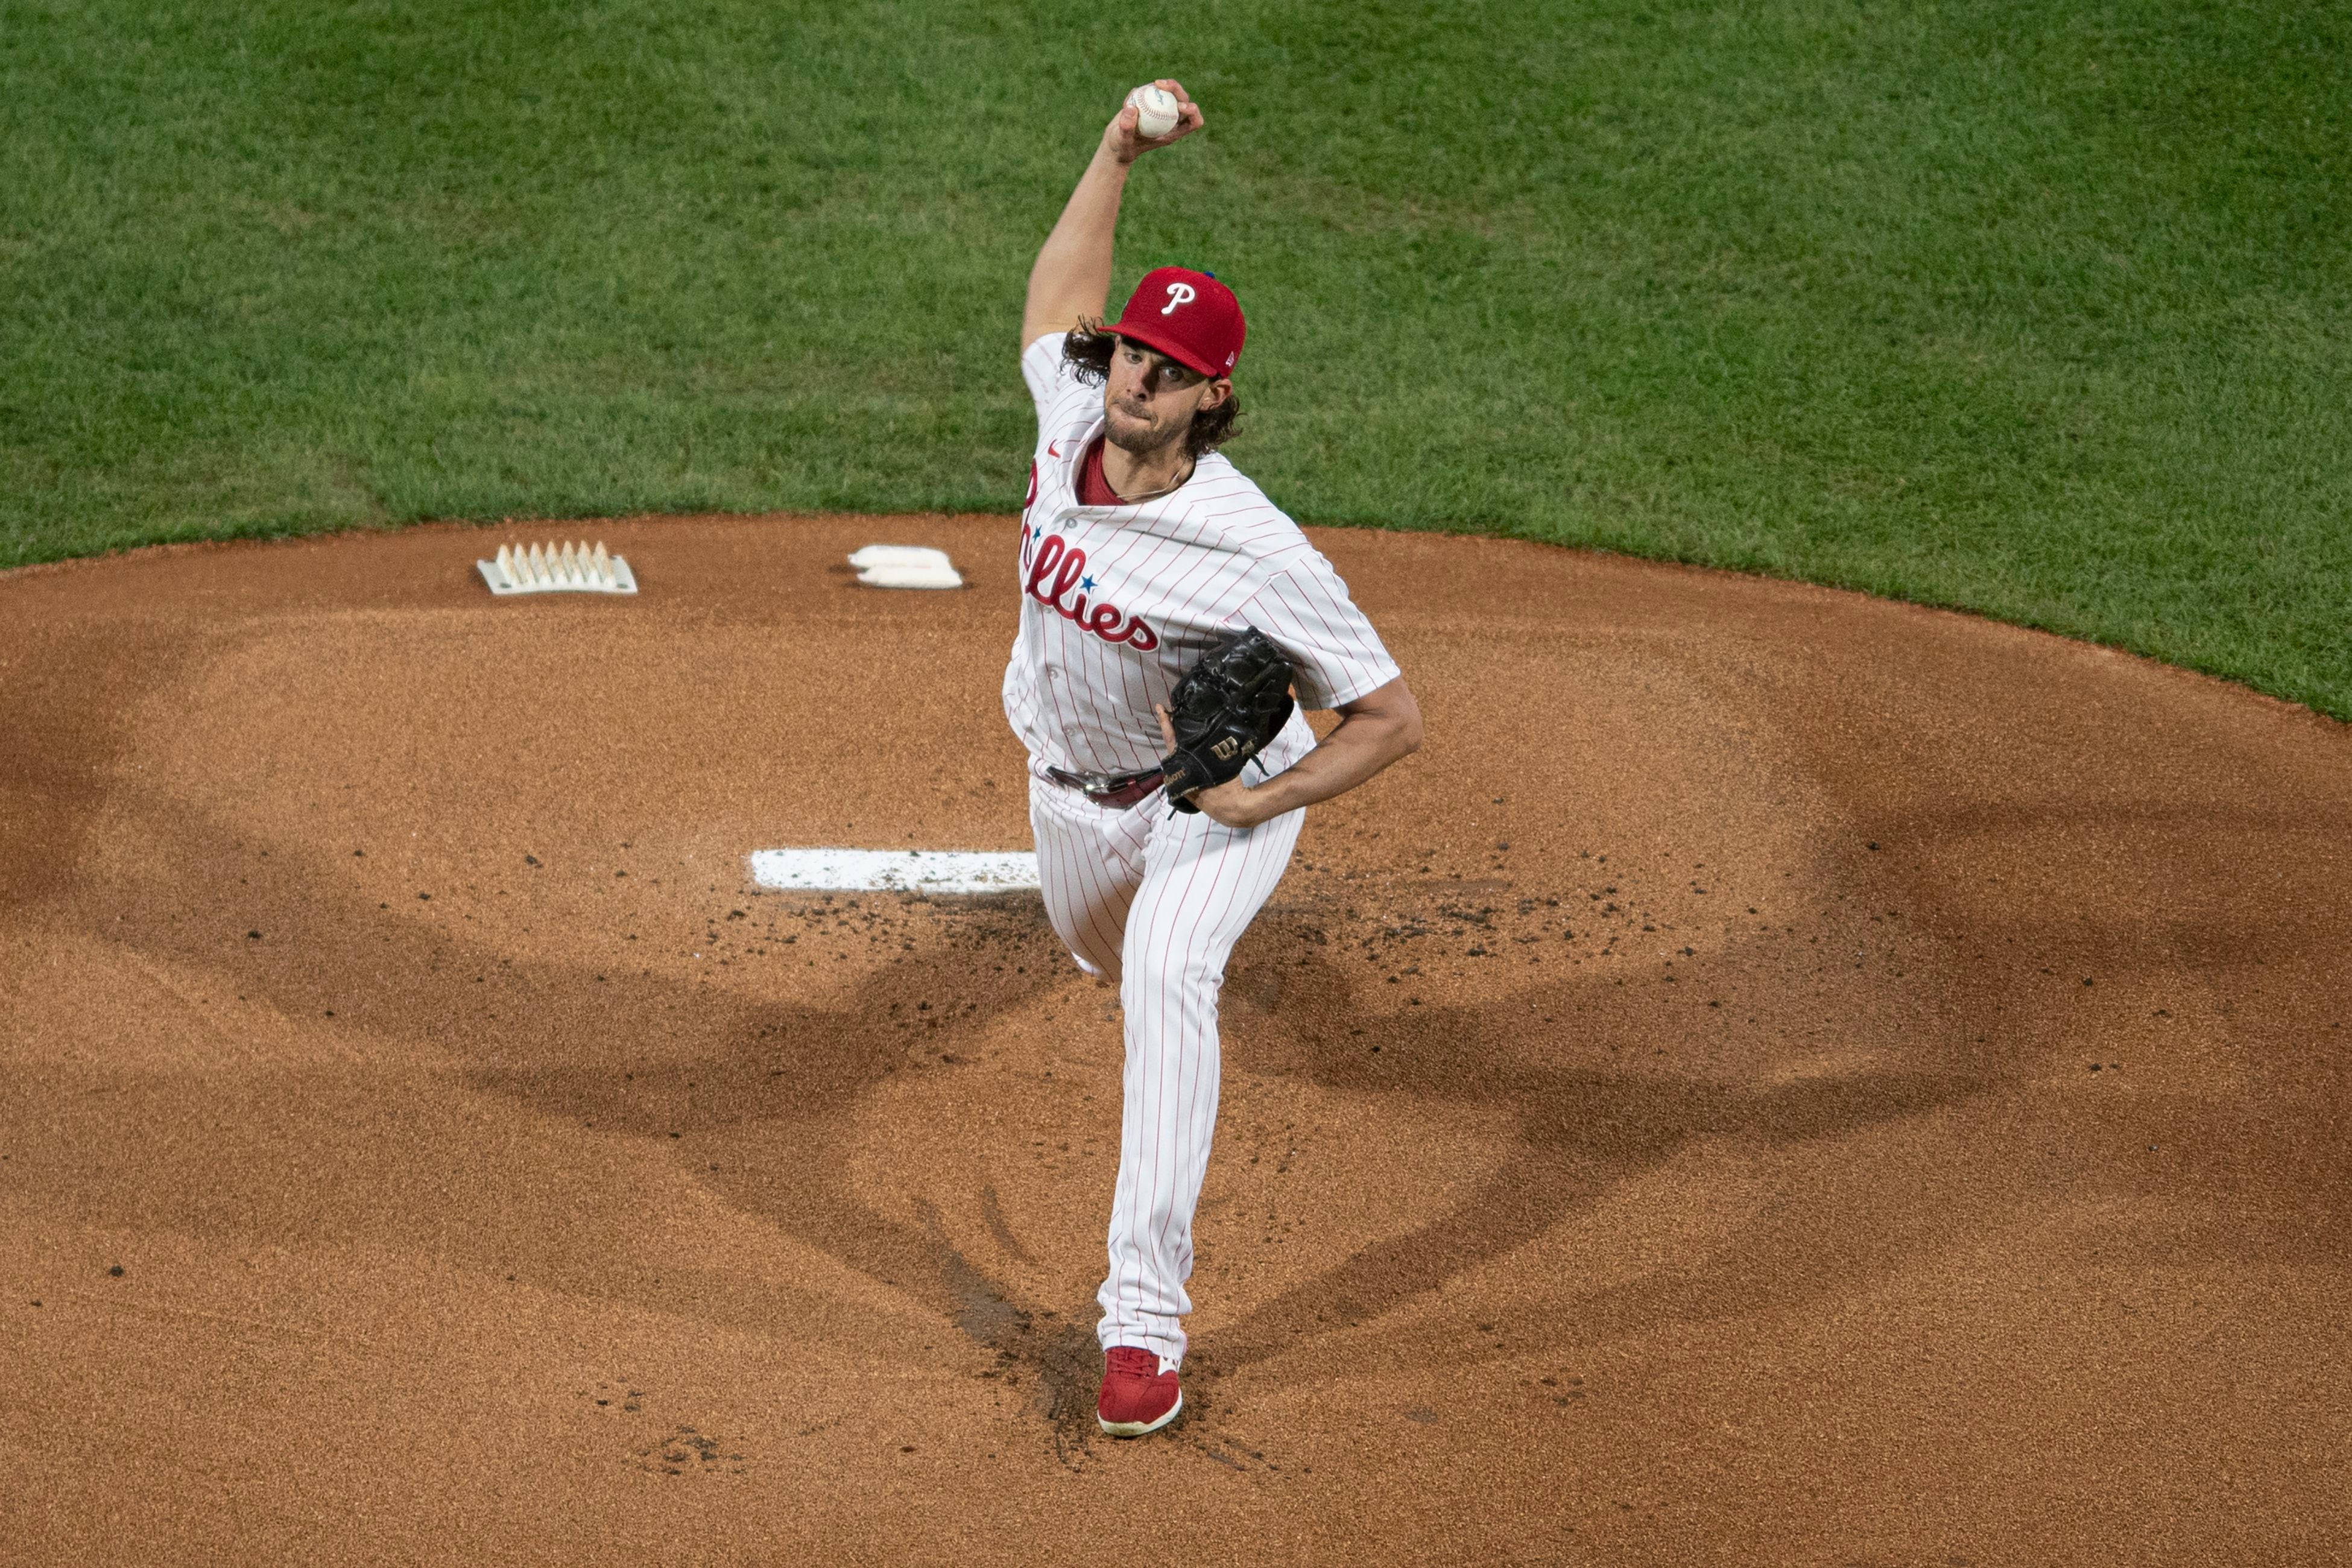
802 1069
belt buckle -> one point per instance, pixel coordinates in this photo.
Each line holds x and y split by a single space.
1116 791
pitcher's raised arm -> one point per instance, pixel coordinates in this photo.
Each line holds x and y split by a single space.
1071 279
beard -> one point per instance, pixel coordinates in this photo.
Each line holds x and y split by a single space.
1140 435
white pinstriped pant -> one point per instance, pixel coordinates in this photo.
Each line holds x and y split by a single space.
1156 901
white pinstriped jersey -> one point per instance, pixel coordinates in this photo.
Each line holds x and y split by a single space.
1117 600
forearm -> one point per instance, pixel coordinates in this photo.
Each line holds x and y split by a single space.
1071 280
1072 275
1362 746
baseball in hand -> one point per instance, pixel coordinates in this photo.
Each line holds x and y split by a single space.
1155 110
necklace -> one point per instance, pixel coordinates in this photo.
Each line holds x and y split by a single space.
1164 489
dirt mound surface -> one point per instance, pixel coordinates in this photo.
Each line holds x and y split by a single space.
1781 1077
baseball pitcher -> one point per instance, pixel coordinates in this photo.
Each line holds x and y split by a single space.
1170 612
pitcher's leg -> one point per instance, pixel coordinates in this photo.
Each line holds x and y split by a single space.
1202 885
1088 863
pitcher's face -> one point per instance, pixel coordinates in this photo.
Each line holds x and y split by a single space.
1150 399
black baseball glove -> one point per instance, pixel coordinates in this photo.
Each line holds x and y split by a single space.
1225 709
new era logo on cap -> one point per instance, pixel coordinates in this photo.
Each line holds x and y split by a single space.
1189 316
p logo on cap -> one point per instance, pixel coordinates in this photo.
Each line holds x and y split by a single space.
1189 316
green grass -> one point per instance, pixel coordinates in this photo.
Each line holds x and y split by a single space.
2042 310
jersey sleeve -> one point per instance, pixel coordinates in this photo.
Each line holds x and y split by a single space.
1040 367
1335 655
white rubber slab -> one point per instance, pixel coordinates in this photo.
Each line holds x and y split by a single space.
897 555
911 577
905 566
902 870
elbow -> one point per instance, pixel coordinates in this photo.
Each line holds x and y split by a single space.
1408 734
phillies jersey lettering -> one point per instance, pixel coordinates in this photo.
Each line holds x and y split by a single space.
1055 570
1117 600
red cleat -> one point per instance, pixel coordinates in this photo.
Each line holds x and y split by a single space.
1138 1393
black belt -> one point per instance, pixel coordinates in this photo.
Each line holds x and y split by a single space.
1118 790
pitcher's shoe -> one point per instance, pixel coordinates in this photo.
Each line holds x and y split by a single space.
1138 1393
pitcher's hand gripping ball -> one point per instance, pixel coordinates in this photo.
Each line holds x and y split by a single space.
1157 109
1224 710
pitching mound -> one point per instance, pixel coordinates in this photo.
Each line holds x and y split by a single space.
1781 1077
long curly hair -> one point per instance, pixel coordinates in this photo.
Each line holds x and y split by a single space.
1087 350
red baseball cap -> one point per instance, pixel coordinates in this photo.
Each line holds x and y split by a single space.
1189 316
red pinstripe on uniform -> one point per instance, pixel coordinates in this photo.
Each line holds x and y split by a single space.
1145 898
